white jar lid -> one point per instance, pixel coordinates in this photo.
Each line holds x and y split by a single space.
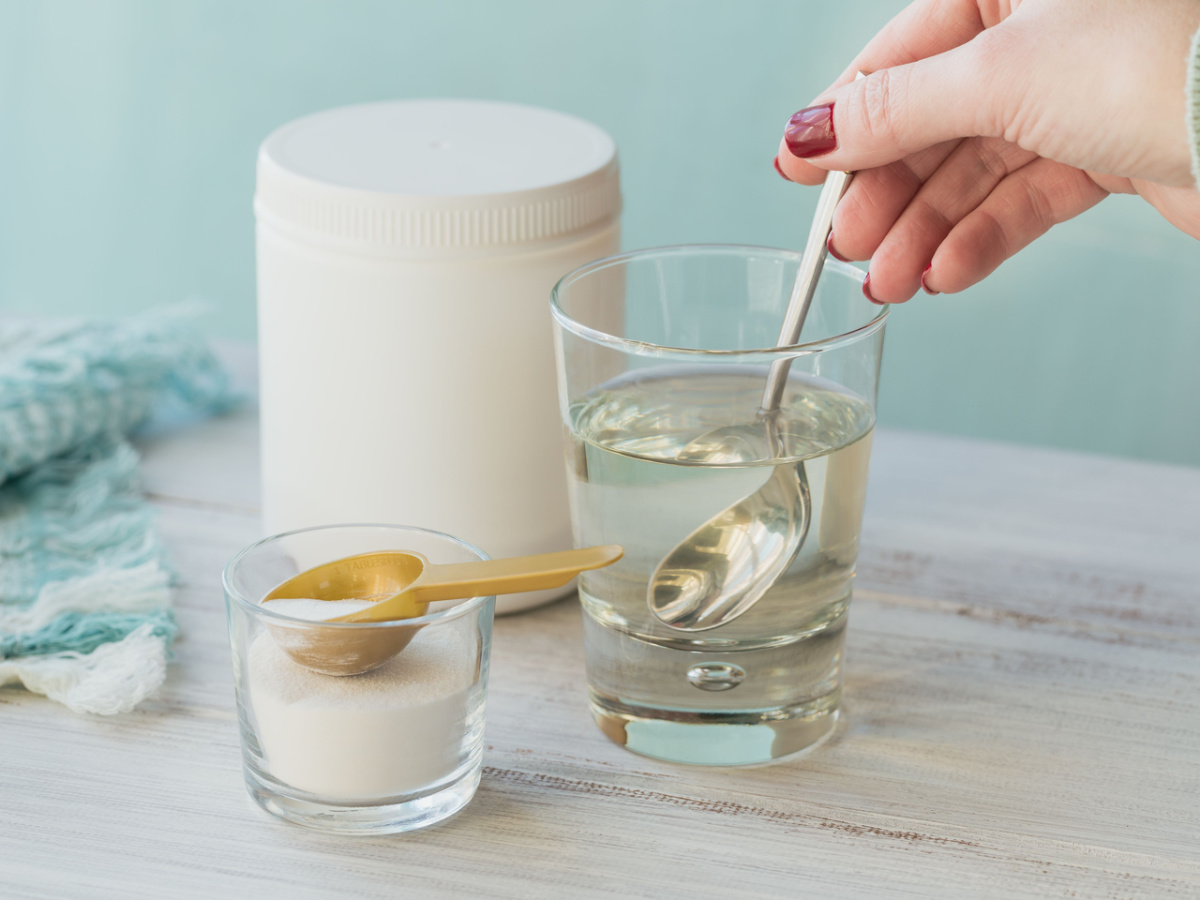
437 175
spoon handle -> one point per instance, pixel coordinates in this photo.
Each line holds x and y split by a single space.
509 576
805 284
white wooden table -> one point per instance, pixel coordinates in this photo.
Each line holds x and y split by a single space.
1022 688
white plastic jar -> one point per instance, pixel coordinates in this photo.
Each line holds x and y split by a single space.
406 252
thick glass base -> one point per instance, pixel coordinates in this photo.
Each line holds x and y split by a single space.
389 817
717 739
719 698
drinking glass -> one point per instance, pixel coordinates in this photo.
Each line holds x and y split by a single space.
394 749
658 351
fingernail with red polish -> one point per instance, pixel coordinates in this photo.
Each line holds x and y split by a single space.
779 170
924 286
832 252
867 291
810 132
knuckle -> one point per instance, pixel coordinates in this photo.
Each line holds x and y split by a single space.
1039 205
991 159
994 234
932 218
882 96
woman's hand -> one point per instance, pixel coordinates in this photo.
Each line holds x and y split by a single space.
984 123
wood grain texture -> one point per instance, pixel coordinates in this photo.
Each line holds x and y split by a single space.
1022 687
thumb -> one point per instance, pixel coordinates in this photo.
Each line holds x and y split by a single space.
889 115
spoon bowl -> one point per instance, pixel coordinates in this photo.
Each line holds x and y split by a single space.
332 648
726 565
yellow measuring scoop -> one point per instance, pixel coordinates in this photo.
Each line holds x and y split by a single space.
406 583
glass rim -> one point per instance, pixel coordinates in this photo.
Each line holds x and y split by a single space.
660 351
255 608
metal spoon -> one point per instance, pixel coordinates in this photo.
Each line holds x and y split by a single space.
405 584
726 565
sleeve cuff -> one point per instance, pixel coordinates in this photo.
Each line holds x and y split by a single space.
1193 105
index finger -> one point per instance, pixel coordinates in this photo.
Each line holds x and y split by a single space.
922 29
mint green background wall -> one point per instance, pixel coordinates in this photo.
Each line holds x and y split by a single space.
128 132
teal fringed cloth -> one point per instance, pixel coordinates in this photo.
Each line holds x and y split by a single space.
85 613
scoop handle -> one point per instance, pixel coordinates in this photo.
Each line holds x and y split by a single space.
510 576
458 581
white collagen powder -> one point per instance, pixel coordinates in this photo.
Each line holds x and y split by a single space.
363 738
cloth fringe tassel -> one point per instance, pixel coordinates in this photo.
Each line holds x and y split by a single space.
112 679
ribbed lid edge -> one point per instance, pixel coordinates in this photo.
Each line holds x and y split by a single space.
388 220
344 214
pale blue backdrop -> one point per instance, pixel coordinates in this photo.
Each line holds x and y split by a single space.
128 131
